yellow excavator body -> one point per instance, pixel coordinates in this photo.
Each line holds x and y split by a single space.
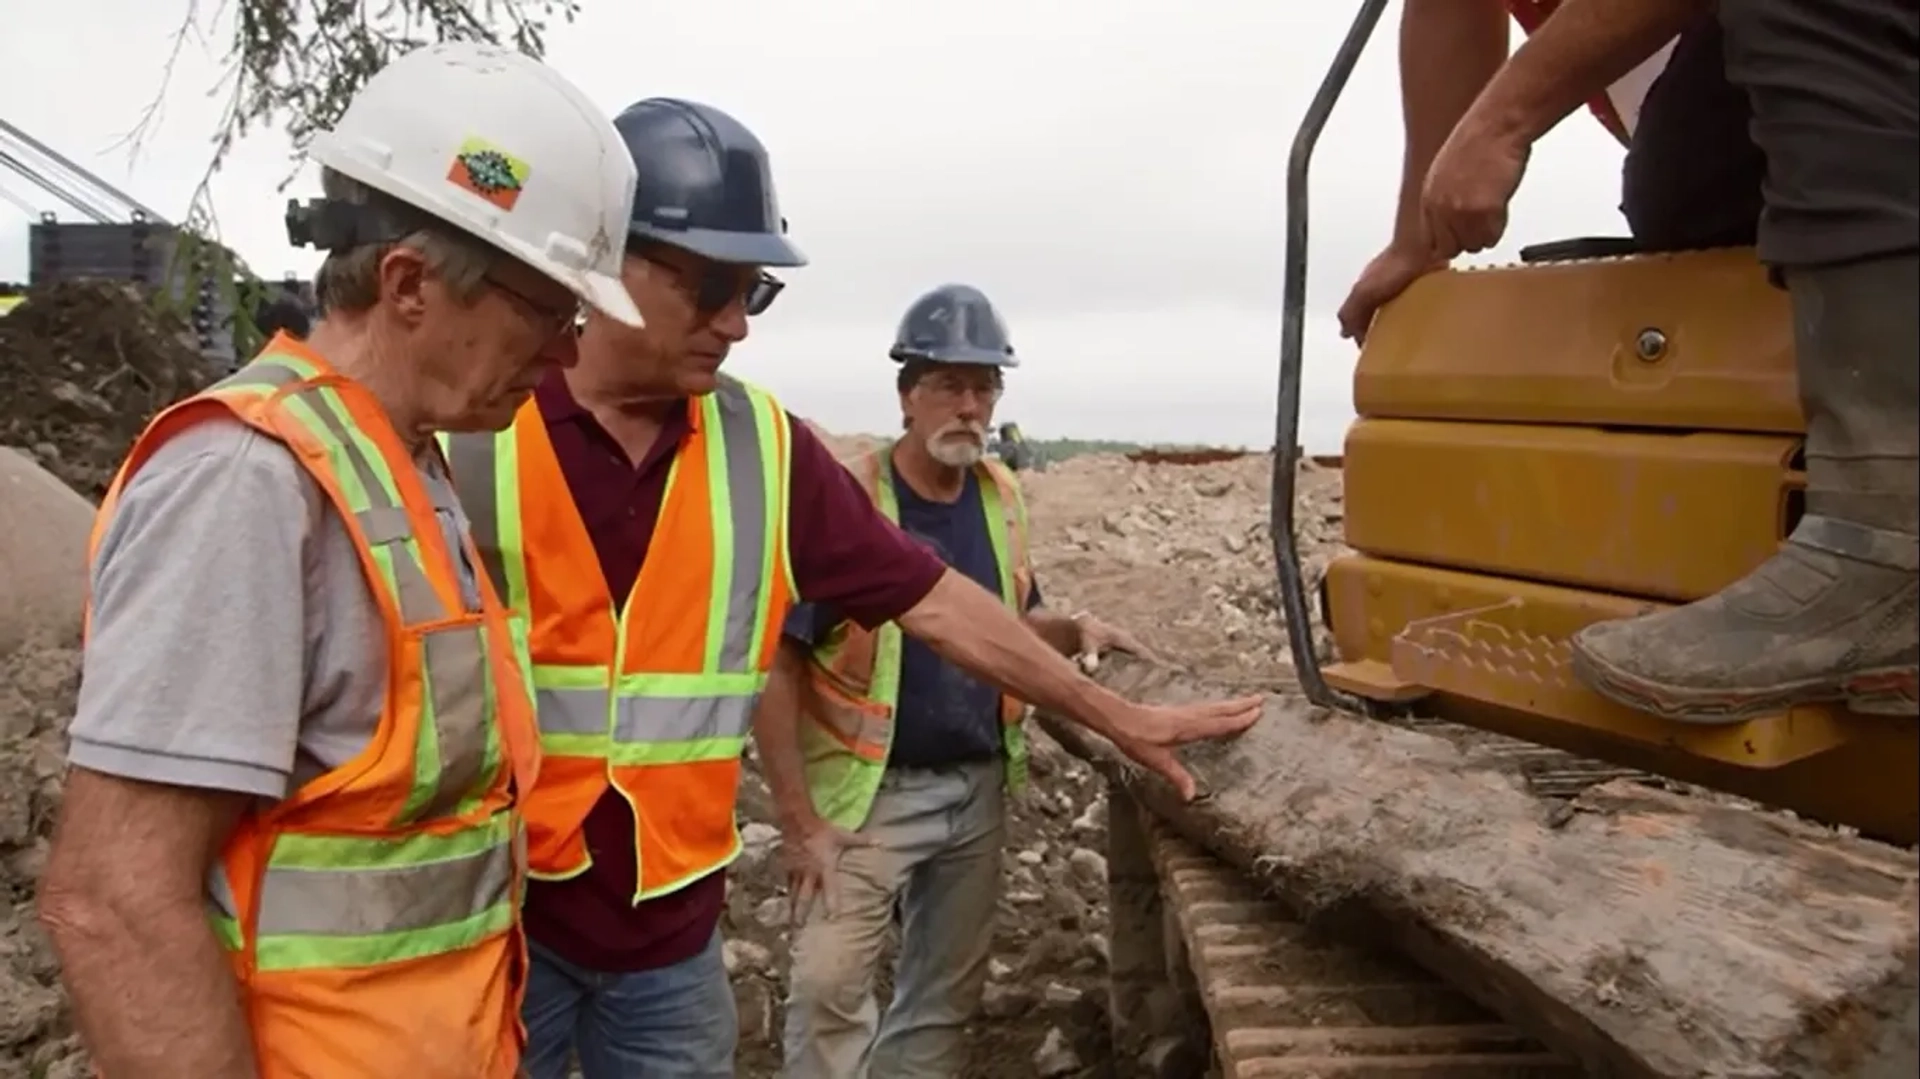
1541 447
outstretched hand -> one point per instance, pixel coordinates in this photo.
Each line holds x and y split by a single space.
1150 733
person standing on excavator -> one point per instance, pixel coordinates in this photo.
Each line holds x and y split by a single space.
1833 88
290 843
1691 177
651 520
889 764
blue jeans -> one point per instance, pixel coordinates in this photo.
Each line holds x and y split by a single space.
676 1022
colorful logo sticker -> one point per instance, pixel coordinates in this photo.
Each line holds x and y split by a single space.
489 172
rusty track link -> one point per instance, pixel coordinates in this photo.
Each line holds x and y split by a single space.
1284 1002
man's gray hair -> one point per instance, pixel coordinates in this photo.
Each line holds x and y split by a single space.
349 281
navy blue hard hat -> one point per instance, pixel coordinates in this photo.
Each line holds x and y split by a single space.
953 324
705 184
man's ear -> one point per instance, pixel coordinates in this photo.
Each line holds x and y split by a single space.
403 281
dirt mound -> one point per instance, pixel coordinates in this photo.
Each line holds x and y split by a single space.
87 363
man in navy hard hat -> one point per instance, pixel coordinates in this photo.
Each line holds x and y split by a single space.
892 791
649 521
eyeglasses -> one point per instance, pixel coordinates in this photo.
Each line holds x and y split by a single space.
717 286
554 319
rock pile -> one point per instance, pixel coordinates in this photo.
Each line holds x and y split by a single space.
1182 554
37 687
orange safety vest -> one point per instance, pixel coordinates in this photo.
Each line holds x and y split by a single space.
1531 15
846 732
655 703
371 916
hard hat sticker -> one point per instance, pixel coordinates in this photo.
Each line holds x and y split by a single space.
489 172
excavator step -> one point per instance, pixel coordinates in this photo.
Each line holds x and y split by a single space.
1695 341
1492 653
1284 1001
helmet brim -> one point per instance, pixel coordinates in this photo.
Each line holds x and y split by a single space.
605 293
962 354
734 248
609 296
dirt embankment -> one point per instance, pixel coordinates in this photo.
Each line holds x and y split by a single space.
1175 552
86 364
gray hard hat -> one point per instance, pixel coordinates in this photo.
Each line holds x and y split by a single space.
705 184
953 324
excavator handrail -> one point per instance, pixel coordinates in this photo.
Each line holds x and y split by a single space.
1293 323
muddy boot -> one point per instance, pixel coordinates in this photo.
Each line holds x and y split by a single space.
1832 617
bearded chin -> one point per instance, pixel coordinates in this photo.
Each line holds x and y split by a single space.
955 451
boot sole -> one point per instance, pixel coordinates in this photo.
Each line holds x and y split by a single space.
1886 691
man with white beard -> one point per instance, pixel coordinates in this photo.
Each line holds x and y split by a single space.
900 803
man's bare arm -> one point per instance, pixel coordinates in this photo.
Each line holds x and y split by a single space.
1586 46
970 628
123 900
1449 51
776 733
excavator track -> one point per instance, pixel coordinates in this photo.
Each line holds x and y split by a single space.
1282 1000
1549 773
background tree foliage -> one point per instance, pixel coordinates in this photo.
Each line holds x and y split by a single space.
294 65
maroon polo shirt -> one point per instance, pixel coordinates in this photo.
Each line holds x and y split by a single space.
843 554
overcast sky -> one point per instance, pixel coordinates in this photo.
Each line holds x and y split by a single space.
1111 173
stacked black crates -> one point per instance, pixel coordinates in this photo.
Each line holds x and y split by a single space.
142 252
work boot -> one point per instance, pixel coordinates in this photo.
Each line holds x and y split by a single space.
1832 616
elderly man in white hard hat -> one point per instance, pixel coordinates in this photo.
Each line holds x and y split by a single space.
291 842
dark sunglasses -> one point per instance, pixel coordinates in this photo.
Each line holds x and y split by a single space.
716 286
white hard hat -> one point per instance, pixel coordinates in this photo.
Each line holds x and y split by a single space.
503 147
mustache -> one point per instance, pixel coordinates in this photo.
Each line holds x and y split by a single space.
962 427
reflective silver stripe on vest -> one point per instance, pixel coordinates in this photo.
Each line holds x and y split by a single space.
471 456
475 457
374 901
644 719
747 483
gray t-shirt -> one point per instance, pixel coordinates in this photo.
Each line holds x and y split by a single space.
235 643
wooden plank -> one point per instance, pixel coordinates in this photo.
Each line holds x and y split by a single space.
1645 933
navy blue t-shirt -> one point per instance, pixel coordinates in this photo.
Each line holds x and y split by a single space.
945 715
